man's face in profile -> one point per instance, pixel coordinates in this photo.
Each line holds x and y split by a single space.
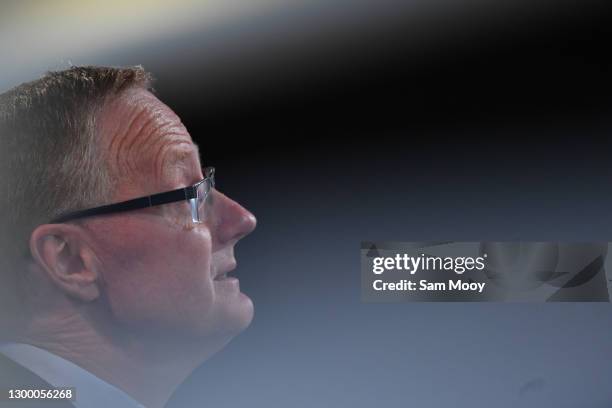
159 270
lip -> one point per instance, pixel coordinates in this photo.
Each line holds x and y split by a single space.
221 273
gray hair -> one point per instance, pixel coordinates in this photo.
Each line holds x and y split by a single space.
49 156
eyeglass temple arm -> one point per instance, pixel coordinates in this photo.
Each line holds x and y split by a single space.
184 193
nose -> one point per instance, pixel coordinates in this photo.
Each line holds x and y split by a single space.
232 221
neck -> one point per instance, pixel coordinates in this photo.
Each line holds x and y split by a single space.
148 367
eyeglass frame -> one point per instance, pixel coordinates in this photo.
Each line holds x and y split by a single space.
189 193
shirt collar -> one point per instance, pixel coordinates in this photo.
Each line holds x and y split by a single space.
91 391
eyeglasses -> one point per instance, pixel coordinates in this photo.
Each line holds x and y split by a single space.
196 195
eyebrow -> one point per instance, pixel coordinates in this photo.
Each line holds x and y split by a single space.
197 149
178 154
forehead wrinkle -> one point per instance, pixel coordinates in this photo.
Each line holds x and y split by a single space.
150 125
149 120
146 138
119 138
159 117
171 155
138 123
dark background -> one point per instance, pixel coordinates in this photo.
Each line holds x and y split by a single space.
493 126
490 126
344 121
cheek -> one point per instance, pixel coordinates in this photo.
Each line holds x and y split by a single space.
156 274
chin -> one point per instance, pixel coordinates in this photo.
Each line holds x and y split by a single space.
240 314
231 317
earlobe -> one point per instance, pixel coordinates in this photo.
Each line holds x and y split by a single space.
62 252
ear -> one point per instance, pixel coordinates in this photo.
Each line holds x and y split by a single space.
62 252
